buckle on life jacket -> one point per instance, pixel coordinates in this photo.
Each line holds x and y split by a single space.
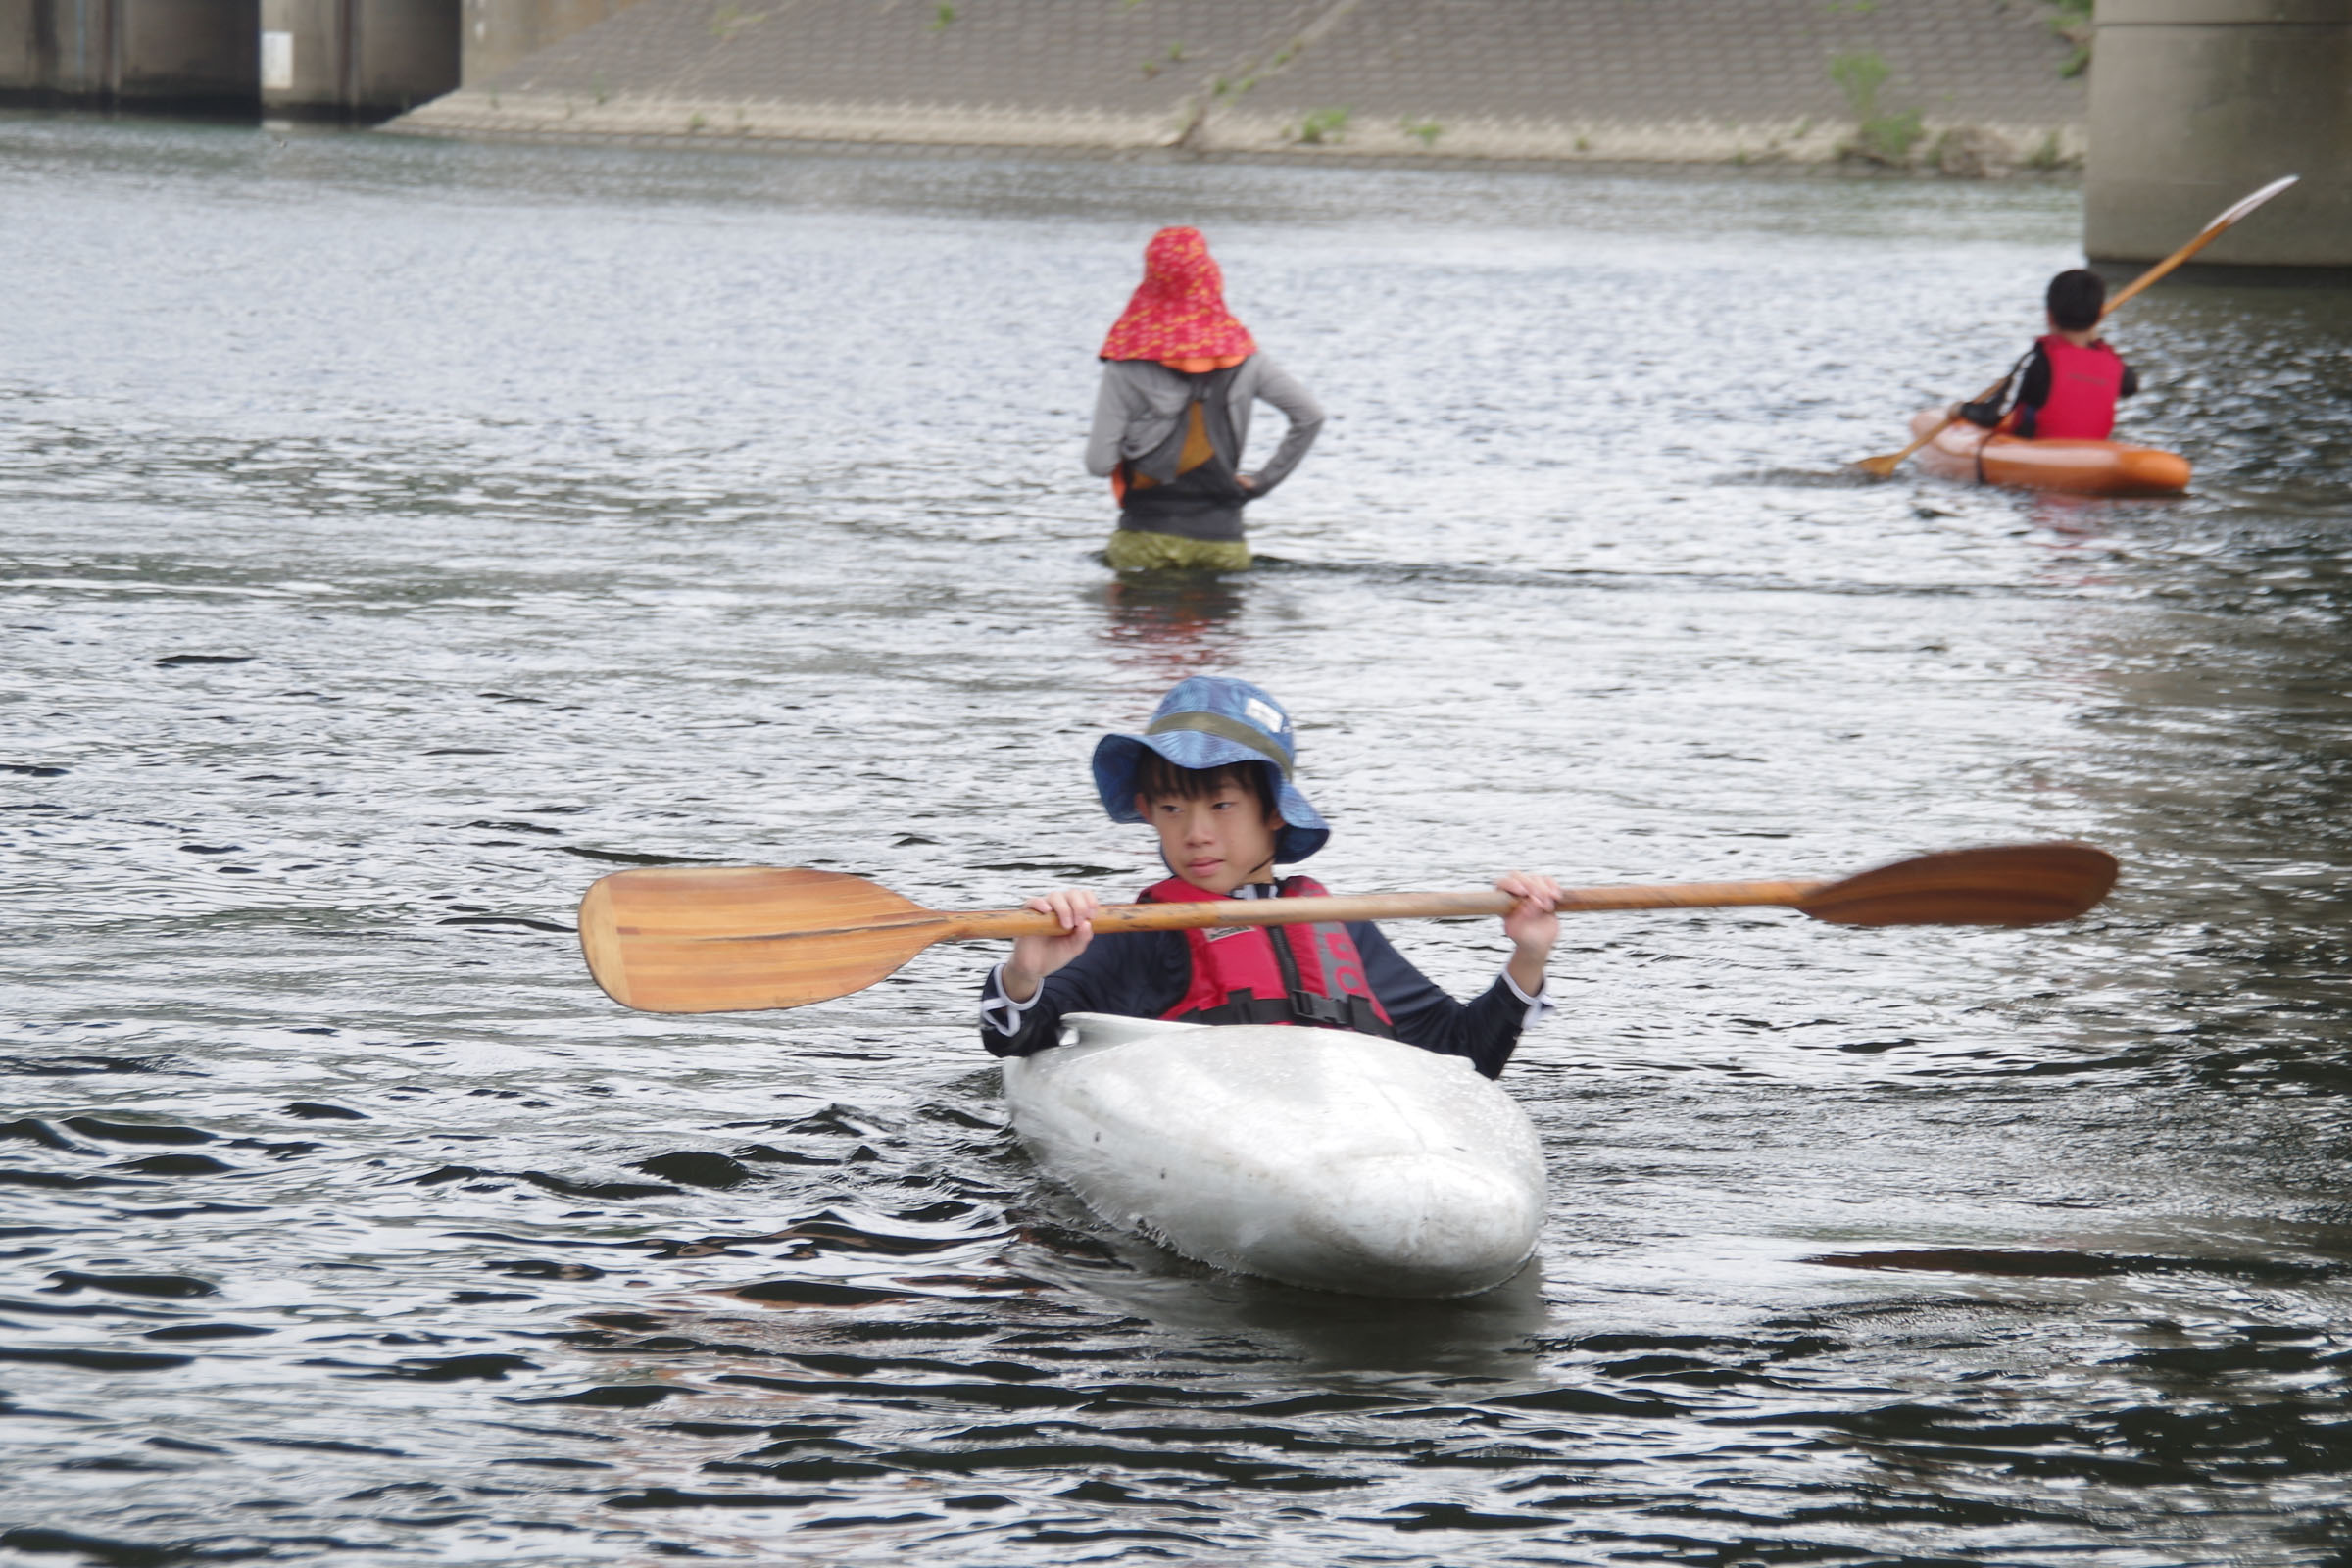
1340 1013
1244 1007
1328 1012
1305 1008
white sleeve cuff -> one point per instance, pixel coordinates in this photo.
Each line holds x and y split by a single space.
1001 1013
1537 1006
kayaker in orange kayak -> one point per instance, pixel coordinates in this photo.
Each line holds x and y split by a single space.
1179 379
2071 377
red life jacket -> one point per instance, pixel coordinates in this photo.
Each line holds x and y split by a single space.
2085 383
1296 974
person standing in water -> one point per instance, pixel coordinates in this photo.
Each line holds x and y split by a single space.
1180 377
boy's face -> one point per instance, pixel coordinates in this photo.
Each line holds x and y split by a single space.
1216 842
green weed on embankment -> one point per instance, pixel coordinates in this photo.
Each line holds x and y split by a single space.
1879 136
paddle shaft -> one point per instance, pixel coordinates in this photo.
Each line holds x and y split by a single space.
725 938
2154 275
976 925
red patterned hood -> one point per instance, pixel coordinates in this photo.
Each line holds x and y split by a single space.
1178 312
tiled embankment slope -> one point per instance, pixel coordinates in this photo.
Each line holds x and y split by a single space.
1603 79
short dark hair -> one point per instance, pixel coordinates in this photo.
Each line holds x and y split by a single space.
2075 299
1158 779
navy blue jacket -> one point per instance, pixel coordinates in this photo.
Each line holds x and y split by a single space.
1141 974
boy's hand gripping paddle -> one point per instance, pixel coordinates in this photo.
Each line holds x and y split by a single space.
738 938
1884 467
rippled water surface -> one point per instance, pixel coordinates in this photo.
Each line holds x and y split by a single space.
395 536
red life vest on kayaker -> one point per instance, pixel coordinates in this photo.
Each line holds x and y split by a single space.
1298 974
2085 383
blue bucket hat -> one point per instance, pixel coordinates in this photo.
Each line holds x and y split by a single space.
1209 722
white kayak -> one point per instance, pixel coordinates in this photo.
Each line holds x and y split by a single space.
1315 1156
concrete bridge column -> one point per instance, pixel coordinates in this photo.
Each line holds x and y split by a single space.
186 56
2195 103
356 59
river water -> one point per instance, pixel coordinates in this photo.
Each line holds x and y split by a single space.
395 536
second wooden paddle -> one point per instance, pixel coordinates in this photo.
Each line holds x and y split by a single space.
742 938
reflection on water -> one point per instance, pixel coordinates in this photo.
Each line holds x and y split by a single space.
1490 1335
400 535
1170 624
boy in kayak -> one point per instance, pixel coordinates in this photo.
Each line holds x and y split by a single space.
1212 775
2071 378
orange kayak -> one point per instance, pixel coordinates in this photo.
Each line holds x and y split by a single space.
2076 467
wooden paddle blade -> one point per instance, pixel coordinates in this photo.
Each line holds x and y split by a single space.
1883 465
2246 204
2009 884
2205 236
734 938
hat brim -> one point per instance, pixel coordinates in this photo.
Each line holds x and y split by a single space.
1118 756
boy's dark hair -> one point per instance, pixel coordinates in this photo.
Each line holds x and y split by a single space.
1158 779
2075 299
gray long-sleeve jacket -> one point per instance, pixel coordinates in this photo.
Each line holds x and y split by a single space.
1140 402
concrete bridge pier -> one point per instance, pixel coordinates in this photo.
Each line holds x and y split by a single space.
355 61
2195 103
361 60
164 56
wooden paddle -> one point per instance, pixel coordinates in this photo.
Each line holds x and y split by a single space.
737 938
1884 467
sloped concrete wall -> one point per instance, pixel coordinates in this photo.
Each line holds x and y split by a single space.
1677 79
496 36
